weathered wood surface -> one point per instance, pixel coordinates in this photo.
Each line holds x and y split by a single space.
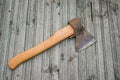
25 23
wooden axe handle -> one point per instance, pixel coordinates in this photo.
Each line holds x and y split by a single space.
54 39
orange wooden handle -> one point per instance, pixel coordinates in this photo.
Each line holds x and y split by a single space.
54 39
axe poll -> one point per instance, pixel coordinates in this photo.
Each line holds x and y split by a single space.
74 28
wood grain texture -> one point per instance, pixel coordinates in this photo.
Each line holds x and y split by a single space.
26 23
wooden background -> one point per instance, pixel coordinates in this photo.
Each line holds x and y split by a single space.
25 23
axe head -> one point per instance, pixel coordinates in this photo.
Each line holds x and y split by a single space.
83 38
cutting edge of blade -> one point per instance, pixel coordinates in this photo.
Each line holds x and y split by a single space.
86 46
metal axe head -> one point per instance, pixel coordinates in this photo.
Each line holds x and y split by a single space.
83 38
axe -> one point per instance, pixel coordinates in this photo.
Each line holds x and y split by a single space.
74 28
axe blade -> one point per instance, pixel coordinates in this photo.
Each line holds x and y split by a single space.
84 40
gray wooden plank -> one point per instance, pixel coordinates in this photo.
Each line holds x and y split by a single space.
39 23
108 63
19 31
4 23
13 33
90 51
114 31
82 74
46 68
117 71
1 8
54 53
99 37
29 36
63 45
71 53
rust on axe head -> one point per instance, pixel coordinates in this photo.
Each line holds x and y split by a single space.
83 38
